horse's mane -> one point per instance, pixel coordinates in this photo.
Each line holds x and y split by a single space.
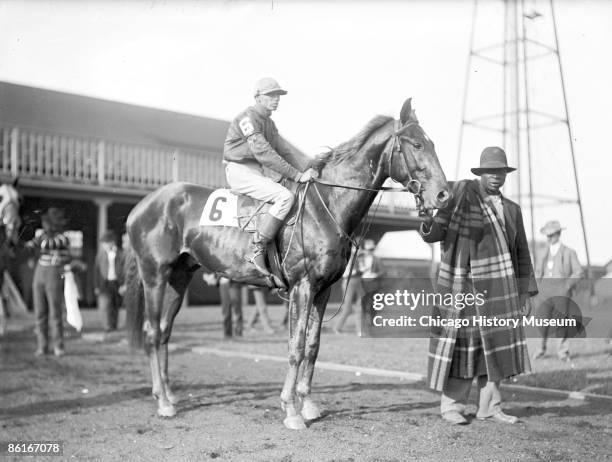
349 148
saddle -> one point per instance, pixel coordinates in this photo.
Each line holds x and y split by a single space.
225 207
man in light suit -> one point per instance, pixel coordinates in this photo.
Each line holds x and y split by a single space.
108 278
557 273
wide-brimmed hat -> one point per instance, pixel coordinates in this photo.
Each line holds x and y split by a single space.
551 227
492 158
268 85
55 217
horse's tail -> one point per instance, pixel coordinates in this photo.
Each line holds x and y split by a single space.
133 301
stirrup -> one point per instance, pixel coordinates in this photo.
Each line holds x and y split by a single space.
253 260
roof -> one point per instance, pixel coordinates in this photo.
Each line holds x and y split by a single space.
93 117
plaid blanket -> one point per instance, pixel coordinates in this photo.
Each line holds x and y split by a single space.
476 259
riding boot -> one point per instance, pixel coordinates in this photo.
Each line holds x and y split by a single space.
267 232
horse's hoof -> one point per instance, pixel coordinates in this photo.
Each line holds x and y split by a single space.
295 422
166 411
310 411
172 398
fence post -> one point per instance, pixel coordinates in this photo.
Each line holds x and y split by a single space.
175 165
15 151
101 162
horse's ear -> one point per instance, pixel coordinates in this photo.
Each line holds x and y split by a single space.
15 182
406 111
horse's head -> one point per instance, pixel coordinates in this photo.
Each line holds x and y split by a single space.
9 211
413 161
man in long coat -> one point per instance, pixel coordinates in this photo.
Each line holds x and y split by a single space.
484 251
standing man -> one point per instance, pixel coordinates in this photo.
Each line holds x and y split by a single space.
231 304
557 272
484 251
108 278
353 287
257 159
260 312
370 266
52 248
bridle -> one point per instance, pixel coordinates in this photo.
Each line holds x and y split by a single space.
413 186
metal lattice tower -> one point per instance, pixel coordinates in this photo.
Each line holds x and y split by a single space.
515 97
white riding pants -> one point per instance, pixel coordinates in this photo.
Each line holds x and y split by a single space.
249 179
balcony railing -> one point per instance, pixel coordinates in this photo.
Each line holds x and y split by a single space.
66 158
36 154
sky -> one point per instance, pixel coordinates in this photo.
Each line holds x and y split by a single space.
342 62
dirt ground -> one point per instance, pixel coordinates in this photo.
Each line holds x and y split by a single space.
97 400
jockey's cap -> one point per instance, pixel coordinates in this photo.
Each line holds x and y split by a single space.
268 85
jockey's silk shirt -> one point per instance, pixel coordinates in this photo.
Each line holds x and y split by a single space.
253 137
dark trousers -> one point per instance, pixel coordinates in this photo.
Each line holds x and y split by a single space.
109 302
555 307
231 301
261 310
48 296
352 302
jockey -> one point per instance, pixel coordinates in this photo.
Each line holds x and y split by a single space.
257 158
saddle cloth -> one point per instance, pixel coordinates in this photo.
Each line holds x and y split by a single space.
225 208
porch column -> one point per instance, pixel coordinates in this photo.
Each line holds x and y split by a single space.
15 152
102 204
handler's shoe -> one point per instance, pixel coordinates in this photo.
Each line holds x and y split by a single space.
58 351
501 417
454 418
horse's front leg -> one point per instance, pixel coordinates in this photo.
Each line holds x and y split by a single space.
310 411
299 309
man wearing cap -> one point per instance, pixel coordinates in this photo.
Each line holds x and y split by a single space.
484 253
257 158
108 278
557 272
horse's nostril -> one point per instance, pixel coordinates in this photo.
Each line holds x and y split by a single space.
442 197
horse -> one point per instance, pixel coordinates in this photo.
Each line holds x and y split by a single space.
10 201
168 245
10 222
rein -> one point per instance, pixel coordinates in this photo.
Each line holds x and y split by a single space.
413 186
